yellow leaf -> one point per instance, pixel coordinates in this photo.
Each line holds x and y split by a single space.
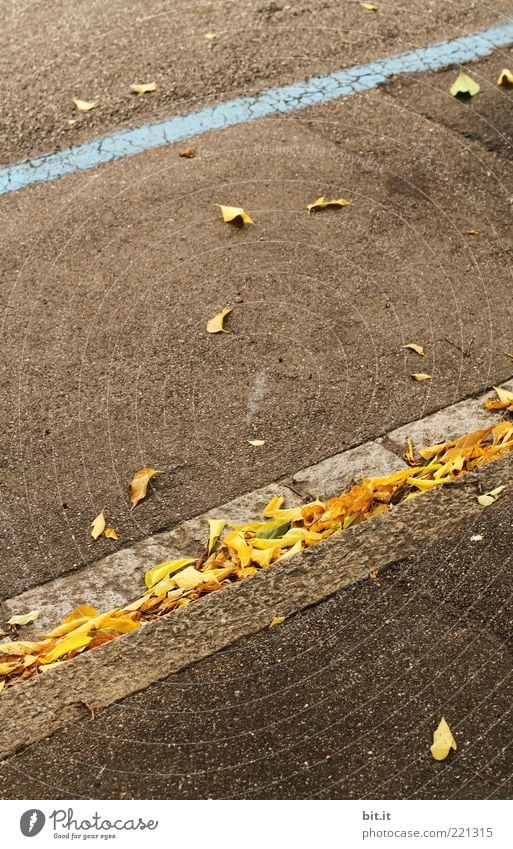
292 551
409 455
234 215
122 624
443 741
488 498
98 525
68 644
322 203
215 325
20 647
143 88
24 618
238 544
417 348
2 685
471 232
273 505
7 668
421 484
277 620
421 376
216 527
110 533
464 84
163 570
503 394
370 7
505 77
211 36
189 578
139 484
262 557
257 443
85 105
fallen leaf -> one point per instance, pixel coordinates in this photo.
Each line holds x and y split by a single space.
370 7
24 618
408 454
421 376
373 575
139 484
234 215
216 528
472 232
443 741
85 105
321 203
476 538
505 77
188 152
417 348
464 84
277 620
509 354
211 36
110 533
189 578
256 442
489 498
98 525
143 88
215 325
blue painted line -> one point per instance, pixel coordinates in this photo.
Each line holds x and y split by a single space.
273 101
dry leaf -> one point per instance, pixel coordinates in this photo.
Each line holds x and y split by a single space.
417 348
489 498
189 578
188 152
443 741
464 84
110 533
234 215
370 7
24 618
143 88
509 354
139 484
216 528
321 203
256 442
505 77
98 525
277 620
471 232
211 36
408 454
421 376
215 325
85 105
373 575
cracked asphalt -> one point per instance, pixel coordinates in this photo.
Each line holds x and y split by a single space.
109 276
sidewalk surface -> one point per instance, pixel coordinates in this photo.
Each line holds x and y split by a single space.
108 279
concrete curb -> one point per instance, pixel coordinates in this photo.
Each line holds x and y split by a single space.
41 706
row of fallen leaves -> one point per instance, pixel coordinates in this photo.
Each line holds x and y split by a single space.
245 549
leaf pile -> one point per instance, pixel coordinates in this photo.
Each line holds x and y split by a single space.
245 549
